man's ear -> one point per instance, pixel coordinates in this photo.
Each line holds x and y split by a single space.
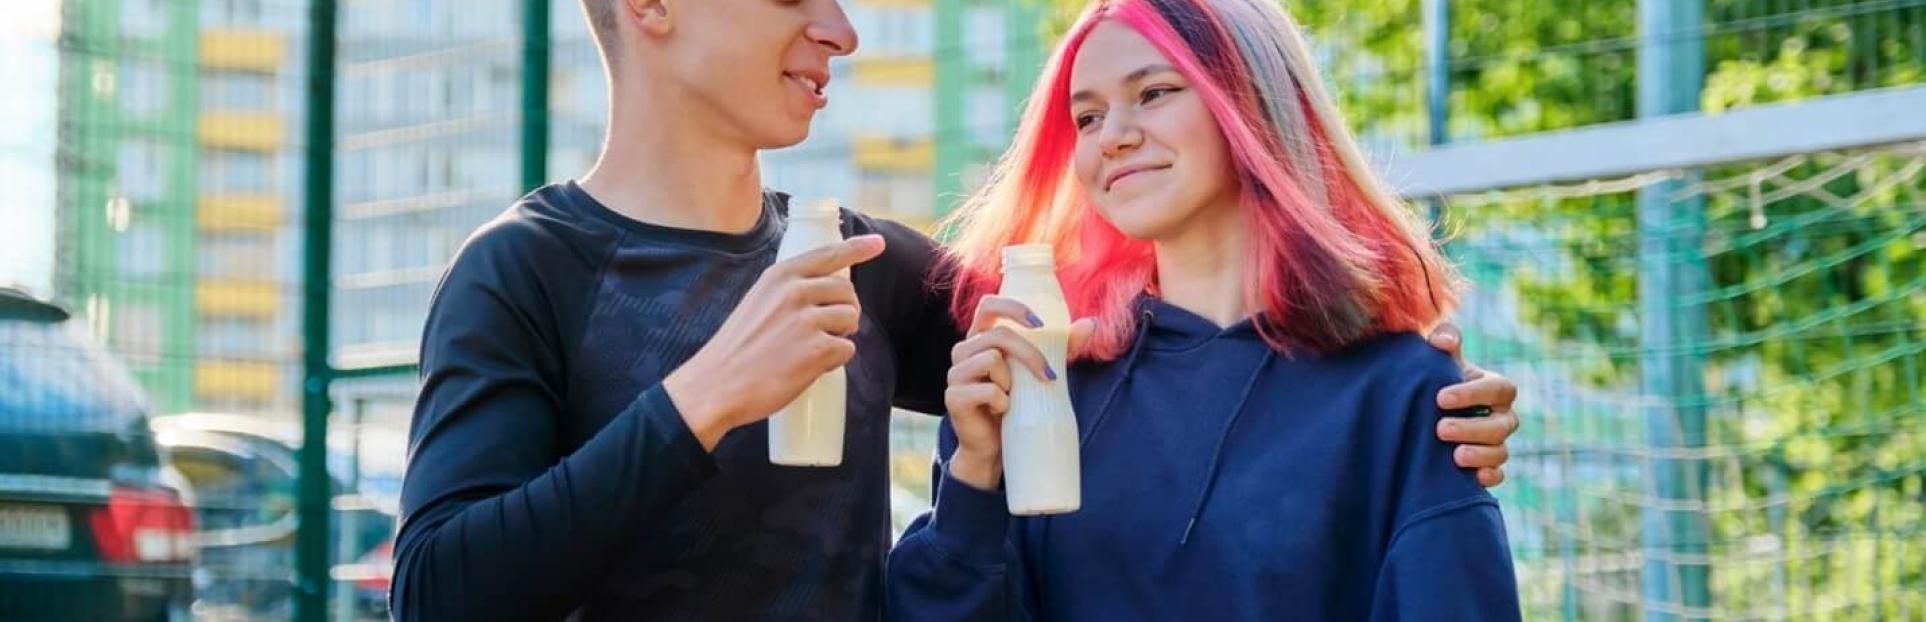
652 17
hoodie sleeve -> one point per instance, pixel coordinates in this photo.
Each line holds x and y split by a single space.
1448 558
959 561
1451 564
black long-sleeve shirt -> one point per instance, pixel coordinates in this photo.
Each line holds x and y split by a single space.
549 474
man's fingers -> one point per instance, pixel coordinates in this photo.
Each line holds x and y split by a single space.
1480 456
833 352
829 259
983 395
1448 338
1080 332
1492 430
1489 389
826 290
842 320
992 308
1491 477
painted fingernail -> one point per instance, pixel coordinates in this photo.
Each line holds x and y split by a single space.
1050 373
1035 322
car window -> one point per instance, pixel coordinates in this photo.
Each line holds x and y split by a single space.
54 378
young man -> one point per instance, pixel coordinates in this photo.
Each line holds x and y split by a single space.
597 360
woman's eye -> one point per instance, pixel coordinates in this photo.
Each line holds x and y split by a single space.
1085 120
1155 92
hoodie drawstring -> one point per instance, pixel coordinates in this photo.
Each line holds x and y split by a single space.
1130 366
1217 455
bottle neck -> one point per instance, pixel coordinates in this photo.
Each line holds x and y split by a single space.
1037 288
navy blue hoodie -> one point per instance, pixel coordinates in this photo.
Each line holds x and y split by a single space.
1225 481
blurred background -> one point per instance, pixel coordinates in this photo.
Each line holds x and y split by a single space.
1695 231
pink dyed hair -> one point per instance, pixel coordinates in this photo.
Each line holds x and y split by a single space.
1337 256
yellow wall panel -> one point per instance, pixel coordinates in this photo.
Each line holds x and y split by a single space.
878 153
250 131
240 212
243 48
895 71
251 380
238 297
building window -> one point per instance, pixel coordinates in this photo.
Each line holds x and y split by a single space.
897 196
988 113
483 168
240 255
234 338
901 111
398 171
144 19
457 92
416 90
139 170
473 19
353 177
504 87
143 87
231 12
891 31
236 171
383 104
383 173
138 332
238 90
986 37
143 250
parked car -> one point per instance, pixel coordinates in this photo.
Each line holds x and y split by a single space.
244 473
93 524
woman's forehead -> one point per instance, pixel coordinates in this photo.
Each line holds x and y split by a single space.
1114 53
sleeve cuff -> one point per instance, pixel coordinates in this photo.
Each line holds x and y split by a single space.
661 419
970 525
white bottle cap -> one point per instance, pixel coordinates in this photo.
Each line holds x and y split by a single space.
1029 256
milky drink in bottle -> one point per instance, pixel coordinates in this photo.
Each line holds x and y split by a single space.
1041 471
809 431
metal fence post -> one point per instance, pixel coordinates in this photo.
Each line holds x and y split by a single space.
1671 75
312 582
535 67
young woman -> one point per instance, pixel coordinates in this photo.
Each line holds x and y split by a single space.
1256 407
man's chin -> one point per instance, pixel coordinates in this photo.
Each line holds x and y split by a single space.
781 144
789 135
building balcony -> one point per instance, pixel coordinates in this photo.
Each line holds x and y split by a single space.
242 131
236 380
885 153
238 297
244 49
230 212
900 71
